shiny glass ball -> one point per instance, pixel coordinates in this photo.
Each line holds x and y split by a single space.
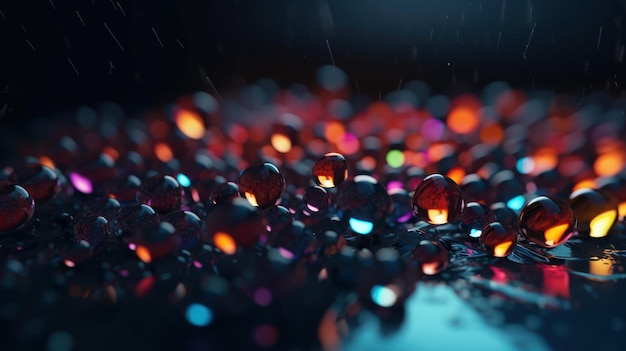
438 199
498 239
262 185
547 221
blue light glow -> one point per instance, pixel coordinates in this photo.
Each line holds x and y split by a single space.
383 296
199 315
183 180
475 233
525 165
516 203
360 226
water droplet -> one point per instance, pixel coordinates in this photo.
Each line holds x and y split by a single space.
498 240
41 182
330 170
438 199
132 218
430 256
162 193
363 203
595 211
92 229
316 199
547 221
262 185
188 227
224 192
475 217
16 206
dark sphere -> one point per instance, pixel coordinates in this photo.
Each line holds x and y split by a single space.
330 170
547 221
595 211
498 240
16 206
262 185
438 200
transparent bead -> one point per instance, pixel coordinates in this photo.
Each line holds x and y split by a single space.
16 206
134 217
363 203
262 185
41 182
316 199
438 200
498 240
224 192
188 227
330 170
162 193
475 217
595 211
430 257
547 221
92 229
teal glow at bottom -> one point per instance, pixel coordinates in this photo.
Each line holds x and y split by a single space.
516 203
360 226
199 315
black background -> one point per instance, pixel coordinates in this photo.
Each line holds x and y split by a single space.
460 44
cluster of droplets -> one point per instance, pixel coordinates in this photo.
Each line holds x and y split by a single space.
233 207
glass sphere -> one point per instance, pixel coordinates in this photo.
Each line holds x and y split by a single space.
134 217
363 203
106 207
401 203
162 193
76 254
124 189
155 241
430 256
475 188
233 225
187 227
92 229
475 217
505 215
276 218
330 170
547 221
498 240
16 206
595 211
438 199
262 185
224 192
41 182
316 199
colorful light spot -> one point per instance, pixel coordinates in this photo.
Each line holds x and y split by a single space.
281 143
225 243
81 183
198 315
602 223
383 296
190 124
183 180
360 226
395 158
